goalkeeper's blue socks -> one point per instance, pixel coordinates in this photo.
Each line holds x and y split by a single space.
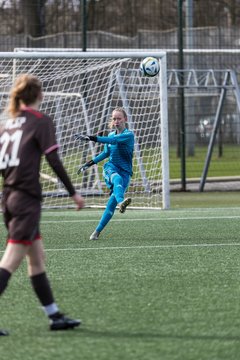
108 213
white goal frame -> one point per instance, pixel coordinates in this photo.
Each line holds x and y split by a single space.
163 96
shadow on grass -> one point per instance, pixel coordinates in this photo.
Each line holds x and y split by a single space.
141 335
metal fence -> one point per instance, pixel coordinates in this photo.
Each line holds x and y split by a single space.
202 38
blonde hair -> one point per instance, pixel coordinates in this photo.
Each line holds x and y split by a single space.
26 90
122 110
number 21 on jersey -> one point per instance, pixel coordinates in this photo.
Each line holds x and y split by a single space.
9 145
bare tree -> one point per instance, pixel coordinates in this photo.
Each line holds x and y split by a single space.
11 21
217 13
127 17
33 17
123 17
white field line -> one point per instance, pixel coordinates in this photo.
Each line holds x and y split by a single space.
186 210
146 219
145 246
170 246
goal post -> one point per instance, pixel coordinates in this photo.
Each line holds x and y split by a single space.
81 89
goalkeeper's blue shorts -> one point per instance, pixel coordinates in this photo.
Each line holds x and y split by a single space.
109 170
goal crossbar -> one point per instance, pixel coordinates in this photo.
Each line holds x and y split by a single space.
79 54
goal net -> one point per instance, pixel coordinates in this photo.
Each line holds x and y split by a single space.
80 92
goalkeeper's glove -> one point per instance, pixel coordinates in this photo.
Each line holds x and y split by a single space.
85 137
85 166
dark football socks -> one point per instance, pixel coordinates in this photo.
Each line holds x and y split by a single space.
44 293
4 278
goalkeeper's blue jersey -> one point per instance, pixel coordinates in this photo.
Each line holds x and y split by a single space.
119 148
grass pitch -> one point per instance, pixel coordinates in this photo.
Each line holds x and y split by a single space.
156 285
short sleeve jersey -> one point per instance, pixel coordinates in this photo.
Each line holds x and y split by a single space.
23 141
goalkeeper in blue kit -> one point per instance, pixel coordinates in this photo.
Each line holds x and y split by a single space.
117 172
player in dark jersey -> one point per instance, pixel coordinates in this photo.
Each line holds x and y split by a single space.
24 137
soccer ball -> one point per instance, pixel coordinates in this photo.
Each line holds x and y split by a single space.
149 66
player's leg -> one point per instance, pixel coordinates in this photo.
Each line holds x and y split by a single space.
42 288
15 250
38 277
10 261
106 217
120 184
118 188
108 172
23 227
22 216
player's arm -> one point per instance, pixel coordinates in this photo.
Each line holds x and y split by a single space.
103 155
57 166
120 138
45 137
116 139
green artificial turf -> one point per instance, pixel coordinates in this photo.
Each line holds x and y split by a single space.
156 285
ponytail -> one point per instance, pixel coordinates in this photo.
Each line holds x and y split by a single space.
26 90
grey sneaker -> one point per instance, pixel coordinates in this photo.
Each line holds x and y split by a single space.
95 235
123 205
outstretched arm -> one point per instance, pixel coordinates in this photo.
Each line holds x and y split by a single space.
57 166
120 138
116 139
